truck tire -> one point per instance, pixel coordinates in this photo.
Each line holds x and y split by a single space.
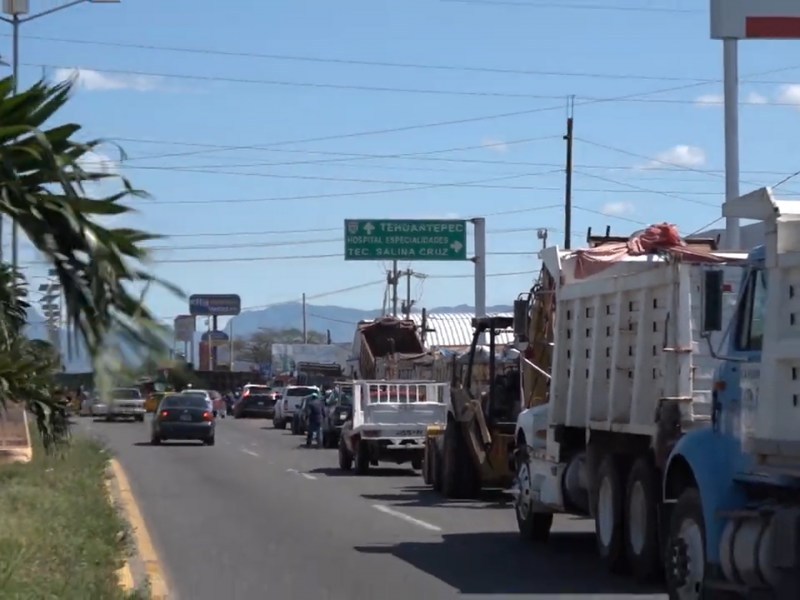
345 458
362 458
533 526
685 548
642 500
427 463
609 513
437 446
458 471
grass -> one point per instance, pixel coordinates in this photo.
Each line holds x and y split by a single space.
60 538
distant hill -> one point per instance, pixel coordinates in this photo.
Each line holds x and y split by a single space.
340 320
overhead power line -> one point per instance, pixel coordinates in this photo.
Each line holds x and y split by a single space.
374 63
582 6
392 90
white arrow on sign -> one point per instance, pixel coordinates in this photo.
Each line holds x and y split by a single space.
456 246
369 228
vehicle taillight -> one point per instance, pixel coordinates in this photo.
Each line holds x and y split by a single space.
245 393
206 416
164 413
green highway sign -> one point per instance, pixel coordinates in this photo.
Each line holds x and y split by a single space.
405 239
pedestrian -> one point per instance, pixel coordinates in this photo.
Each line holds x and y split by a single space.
313 418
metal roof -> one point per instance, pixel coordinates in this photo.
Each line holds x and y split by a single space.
454 330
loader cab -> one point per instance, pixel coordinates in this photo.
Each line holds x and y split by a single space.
501 402
737 378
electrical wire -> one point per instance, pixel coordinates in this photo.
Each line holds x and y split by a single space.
567 6
374 63
155 76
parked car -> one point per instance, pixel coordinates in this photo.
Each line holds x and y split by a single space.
288 405
338 411
258 404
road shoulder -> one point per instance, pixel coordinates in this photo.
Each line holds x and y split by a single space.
143 567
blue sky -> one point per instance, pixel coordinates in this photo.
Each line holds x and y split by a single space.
218 202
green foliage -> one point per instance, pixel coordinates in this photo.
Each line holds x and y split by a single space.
43 179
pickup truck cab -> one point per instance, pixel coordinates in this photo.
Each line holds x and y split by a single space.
125 403
290 402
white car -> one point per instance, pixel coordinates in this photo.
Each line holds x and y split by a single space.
209 398
123 403
292 398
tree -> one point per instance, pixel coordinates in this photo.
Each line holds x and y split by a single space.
42 187
257 347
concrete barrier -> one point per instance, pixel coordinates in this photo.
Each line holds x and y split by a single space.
15 437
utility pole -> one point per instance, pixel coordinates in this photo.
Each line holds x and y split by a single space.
305 326
394 279
408 302
568 185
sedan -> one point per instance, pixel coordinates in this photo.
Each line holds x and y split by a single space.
183 417
255 405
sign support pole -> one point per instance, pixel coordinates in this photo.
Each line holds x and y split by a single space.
480 270
730 78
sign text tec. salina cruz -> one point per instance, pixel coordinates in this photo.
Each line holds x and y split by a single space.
405 239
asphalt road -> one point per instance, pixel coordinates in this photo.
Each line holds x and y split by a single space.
259 516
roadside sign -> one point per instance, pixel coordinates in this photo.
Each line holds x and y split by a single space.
405 239
215 305
184 326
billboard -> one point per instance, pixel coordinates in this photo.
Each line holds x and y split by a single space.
215 305
286 356
184 328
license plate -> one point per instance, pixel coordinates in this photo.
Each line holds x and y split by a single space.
261 404
186 417
410 433
127 411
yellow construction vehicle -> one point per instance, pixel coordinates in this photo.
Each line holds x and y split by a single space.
474 450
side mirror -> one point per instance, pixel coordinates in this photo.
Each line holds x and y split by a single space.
712 301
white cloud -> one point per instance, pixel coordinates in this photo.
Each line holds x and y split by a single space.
711 100
680 156
495 145
97 162
96 81
789 94
617 208
756 98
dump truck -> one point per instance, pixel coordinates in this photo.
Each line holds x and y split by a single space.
631 377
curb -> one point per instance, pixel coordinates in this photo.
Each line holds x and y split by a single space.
146 552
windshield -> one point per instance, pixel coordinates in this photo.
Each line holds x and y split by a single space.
257 389
184 401
301 391
200 395
125 394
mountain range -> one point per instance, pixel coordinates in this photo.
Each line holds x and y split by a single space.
339 320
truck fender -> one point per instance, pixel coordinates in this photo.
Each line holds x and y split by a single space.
705 459
524 427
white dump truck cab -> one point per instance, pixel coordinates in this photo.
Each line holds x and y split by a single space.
389 422
732 490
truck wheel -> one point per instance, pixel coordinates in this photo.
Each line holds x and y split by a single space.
436 463
610 504
533 526
642 500
345 458
427 463
458 471
362 458
686 555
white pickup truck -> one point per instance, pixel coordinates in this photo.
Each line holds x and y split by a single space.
125 403
389 422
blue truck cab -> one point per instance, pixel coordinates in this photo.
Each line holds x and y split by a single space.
732 490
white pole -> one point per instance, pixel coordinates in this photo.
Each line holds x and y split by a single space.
730 78
480 269
230 342
209 346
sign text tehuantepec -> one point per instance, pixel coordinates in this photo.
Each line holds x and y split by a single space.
405 239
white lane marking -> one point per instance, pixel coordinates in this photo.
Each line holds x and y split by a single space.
406 518
308 476
292 471
250 452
